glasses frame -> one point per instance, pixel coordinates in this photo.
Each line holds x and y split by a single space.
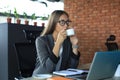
63 22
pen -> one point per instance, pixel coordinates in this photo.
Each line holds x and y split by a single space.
72 70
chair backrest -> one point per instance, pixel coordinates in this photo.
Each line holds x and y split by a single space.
26 57
31 35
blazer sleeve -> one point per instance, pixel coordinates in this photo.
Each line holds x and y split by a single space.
74 61
46 60
69 57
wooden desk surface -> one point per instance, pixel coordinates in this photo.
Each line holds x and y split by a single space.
60 78
116 78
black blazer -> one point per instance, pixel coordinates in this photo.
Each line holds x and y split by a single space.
46 61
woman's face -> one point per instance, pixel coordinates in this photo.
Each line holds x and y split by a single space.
63 23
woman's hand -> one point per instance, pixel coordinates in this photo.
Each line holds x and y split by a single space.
74 40
61 36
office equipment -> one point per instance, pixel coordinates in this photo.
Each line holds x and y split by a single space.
111 44
104 65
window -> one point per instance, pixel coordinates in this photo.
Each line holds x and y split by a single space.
40 7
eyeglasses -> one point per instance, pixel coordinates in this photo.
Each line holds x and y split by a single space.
63 22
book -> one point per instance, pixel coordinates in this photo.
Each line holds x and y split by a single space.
59 78
70 72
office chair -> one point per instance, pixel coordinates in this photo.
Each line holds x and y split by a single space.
111 44
26 58
31 35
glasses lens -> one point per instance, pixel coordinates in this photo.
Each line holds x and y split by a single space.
68 22
62 22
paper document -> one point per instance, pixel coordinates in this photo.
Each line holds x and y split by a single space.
117 73
70 72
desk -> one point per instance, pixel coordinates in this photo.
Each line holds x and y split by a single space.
31 78
86 66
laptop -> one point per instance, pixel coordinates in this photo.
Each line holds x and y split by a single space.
104 65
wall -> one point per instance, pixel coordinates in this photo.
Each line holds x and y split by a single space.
94 21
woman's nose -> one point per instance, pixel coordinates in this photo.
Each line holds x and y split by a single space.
66 26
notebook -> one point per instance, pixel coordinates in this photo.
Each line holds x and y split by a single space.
104 65
70 72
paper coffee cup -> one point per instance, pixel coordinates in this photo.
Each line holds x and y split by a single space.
70 32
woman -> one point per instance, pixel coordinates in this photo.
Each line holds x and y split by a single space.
55 50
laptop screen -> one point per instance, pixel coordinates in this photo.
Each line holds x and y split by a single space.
104 65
